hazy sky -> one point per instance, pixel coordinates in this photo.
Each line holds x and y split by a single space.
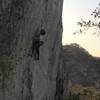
73 11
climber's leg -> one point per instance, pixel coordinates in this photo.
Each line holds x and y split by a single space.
37 53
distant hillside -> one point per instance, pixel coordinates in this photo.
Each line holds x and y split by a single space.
80 67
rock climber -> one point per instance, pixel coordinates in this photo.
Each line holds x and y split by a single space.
37 41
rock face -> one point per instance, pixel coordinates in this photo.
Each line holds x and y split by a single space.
80 67
22 77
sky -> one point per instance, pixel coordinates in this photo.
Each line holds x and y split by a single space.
73 11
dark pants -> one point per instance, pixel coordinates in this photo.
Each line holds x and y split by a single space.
35 49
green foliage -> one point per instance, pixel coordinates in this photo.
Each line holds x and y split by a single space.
73 96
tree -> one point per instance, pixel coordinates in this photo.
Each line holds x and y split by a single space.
90 24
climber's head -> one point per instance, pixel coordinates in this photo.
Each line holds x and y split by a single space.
42 32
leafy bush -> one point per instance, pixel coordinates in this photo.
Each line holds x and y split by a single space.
73 96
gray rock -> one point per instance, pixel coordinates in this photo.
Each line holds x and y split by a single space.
22 77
